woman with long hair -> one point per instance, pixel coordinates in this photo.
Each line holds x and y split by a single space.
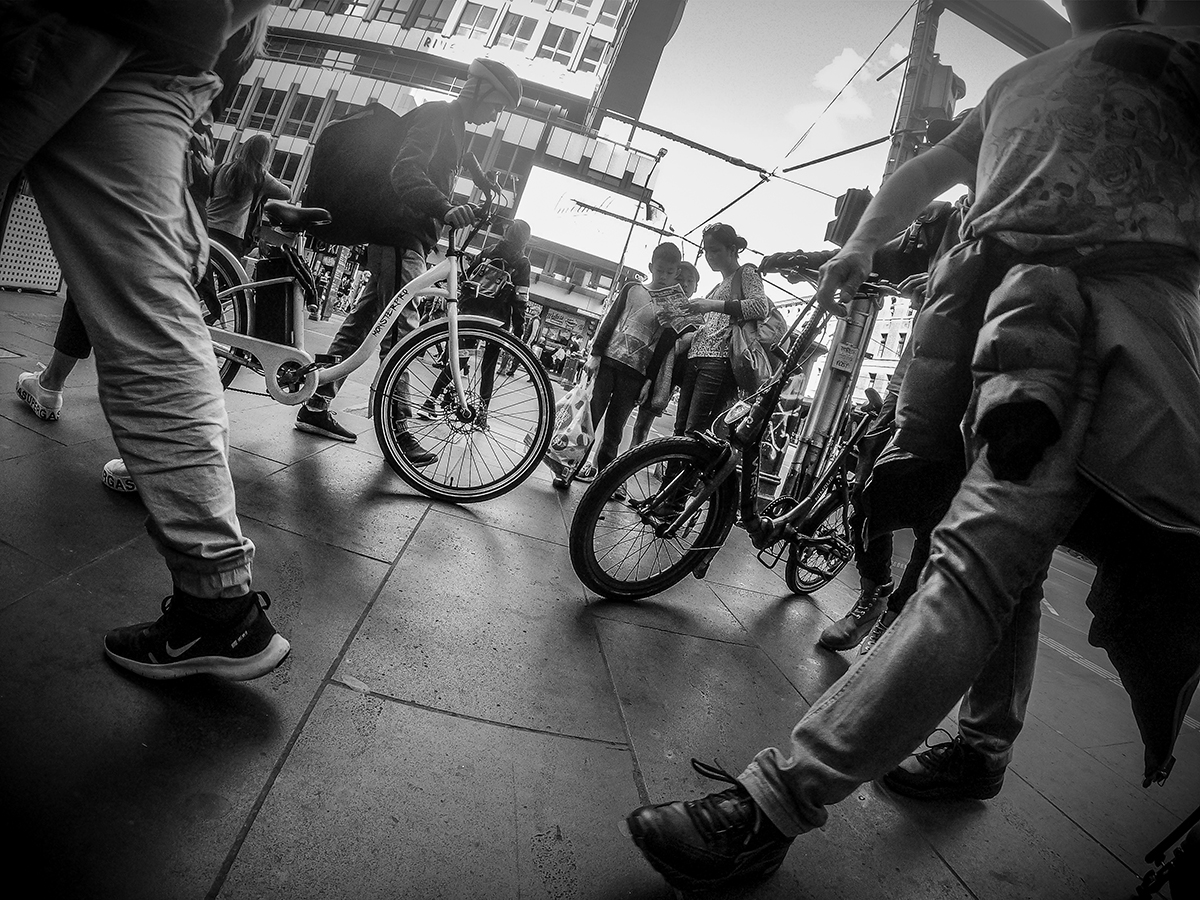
239 186
708 385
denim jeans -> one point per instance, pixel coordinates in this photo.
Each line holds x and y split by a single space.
971 628
614 395
391 268
104 148
706 390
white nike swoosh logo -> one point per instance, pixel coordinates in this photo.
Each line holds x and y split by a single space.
173 653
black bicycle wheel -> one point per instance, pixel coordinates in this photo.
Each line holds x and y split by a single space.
616 542
472 454
814 560
224 308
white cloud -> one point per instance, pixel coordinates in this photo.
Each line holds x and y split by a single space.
833 76
897 52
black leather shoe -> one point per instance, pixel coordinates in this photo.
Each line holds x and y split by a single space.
947 771
712 842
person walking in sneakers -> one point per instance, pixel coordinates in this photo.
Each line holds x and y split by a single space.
1072 317
98 105
406 222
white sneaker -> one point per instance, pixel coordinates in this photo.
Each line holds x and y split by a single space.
117 478
46 404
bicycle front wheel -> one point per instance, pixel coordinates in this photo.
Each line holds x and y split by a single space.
469 453
814 560
224 307
620 545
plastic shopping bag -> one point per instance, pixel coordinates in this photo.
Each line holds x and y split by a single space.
748 359
573 433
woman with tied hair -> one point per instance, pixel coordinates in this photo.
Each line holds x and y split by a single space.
239 186
708 385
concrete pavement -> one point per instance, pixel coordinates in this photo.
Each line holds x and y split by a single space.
458 717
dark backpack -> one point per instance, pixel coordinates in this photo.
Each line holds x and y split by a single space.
350 176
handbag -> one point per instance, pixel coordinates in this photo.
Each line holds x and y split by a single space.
573 432
750 342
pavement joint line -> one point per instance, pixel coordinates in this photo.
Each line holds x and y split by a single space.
660 628
285 753
1099 670
529 729
639 780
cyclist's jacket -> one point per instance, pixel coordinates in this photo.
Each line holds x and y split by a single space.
355 158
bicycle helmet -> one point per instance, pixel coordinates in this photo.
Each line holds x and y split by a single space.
494 76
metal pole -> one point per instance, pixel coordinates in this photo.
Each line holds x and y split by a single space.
836 387
914 95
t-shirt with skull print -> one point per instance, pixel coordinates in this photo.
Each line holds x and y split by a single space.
1093 142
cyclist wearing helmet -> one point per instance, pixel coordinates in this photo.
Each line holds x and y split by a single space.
420 167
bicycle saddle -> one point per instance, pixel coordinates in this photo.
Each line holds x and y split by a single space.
295 218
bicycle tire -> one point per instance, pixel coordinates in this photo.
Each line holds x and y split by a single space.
810 566
478 459
614 548
233 315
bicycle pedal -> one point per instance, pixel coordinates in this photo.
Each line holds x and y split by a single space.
327 359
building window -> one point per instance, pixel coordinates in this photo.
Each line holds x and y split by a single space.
284 165
903 338
593 52
342 109
609 12
476 21
234 110
515 31
393 11
575 7
433 14
558 44
266 110
302 118
340 59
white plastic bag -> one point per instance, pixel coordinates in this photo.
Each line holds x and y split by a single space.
573 433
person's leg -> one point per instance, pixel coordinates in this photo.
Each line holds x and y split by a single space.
992 547
627 385
687 391
714 389
642 424
144 317
487 371
43 391
115 166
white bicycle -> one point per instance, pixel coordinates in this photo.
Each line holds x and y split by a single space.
489 430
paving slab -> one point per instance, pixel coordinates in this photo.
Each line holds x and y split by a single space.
486 623
383 799
149 783
340 496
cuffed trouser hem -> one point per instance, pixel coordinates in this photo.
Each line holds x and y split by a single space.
206 585
761 792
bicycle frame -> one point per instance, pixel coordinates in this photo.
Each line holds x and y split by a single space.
292 373
749 420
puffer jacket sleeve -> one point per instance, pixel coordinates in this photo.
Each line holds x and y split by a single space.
1029 348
